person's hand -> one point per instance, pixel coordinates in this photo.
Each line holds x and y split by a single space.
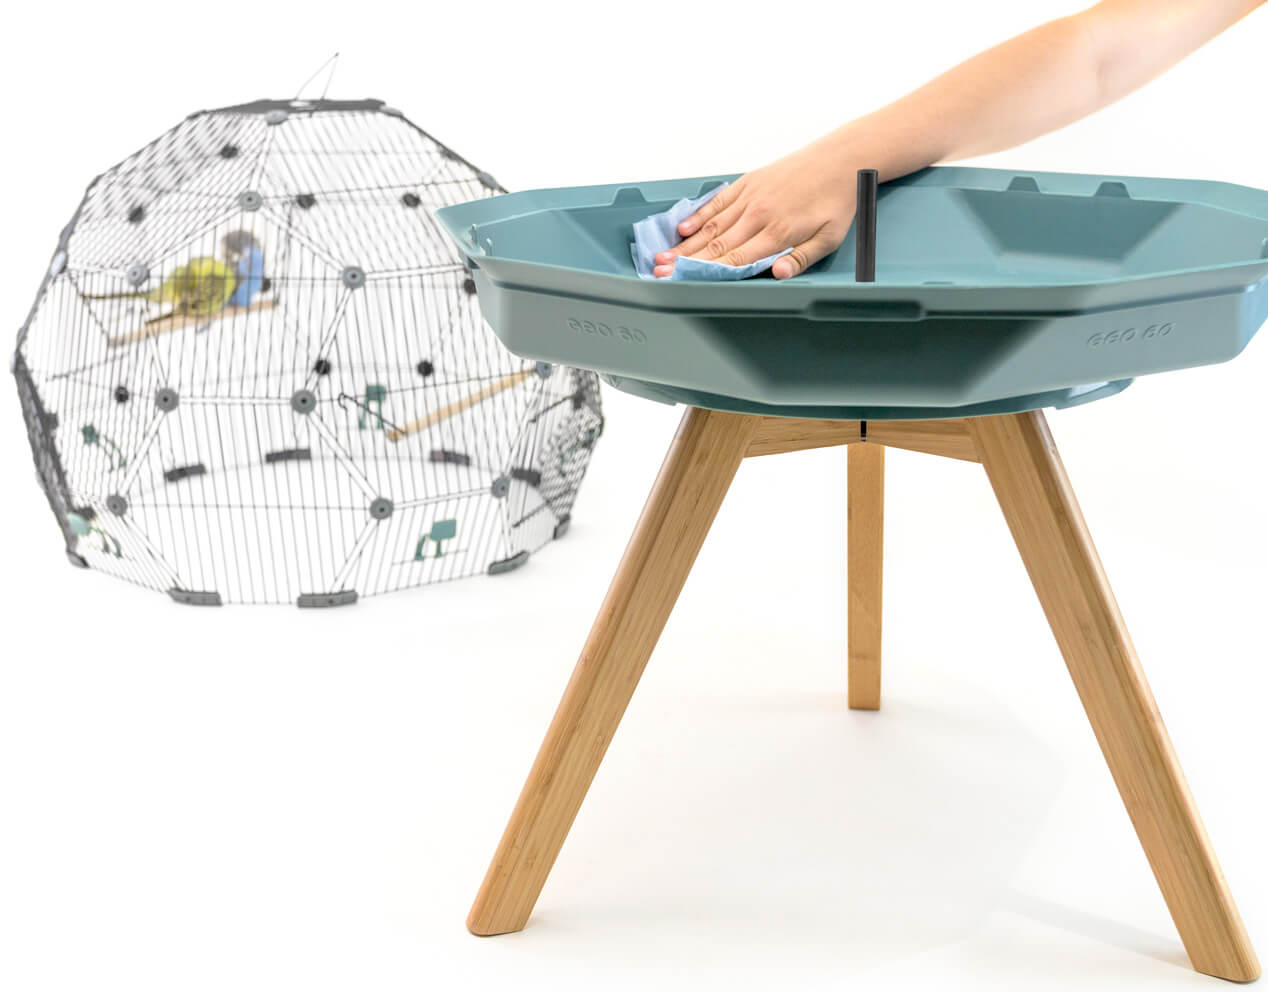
804 201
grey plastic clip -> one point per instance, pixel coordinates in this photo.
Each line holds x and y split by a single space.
57 264
381 508
320 600
117 504
303 401
250 200
353 277
447 456
138 275
543 370
185 472
288 455
76 559
487 180
508 564
561 528
275 117
167 399
195 597
500 487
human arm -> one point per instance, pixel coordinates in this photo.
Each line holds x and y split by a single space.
1032 84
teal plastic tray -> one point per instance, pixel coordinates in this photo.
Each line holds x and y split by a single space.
995 292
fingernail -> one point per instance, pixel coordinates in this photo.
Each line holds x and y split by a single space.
666 256
687 228
662 270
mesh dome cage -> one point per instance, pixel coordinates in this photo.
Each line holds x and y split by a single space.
256 371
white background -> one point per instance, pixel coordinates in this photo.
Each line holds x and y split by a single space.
264 798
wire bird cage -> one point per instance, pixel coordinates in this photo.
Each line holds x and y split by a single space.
256 372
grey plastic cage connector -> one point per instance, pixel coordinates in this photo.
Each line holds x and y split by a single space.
307 342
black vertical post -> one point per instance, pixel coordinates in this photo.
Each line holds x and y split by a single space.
865 228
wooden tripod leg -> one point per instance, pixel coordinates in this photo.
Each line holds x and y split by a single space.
1025 470
865 521
696 474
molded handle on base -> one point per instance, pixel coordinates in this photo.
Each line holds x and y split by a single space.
865 310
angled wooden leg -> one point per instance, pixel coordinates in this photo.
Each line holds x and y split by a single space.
865 521
697 472
1026 472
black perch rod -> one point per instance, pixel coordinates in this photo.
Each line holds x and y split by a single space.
865 228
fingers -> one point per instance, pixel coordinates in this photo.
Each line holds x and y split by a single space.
714 239
804 255
718 215
730 246
752 240
763 242
720 202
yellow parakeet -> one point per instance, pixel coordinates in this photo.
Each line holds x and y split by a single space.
201 287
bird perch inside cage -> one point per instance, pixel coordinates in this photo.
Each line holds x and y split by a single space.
456 407
257 372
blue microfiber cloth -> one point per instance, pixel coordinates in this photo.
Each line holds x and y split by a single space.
660 231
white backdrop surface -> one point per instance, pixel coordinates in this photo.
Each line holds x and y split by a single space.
264 798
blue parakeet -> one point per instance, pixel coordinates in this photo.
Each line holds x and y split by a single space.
242 251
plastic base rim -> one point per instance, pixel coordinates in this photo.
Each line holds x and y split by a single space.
1056 398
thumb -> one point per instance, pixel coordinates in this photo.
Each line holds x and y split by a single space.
804 255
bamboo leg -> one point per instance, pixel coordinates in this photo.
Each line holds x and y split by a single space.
865 519
695 476
1029 480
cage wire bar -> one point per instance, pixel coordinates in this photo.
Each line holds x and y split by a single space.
256 371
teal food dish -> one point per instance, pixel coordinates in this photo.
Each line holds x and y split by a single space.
995 292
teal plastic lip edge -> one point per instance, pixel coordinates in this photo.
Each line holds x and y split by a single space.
837 300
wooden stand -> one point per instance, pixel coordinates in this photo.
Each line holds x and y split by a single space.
1023 467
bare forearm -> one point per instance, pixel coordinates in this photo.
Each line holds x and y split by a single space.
1035 83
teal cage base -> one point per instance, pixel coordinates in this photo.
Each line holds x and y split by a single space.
995 292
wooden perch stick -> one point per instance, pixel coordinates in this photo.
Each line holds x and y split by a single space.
176 321
456 407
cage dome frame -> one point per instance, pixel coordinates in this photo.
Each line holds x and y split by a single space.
256 371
